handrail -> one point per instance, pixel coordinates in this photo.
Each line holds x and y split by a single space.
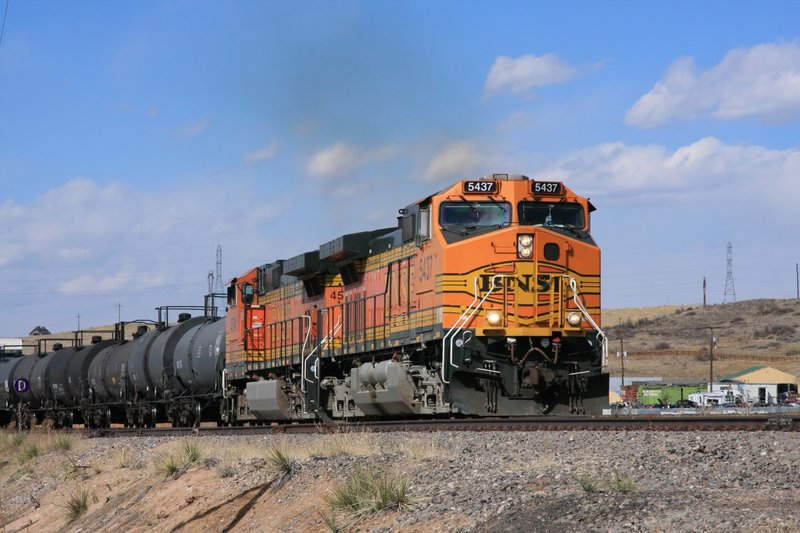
327 338
462 321
302 351
601 335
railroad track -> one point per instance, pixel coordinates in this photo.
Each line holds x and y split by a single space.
606 423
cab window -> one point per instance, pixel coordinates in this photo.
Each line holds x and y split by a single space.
563 215
475 214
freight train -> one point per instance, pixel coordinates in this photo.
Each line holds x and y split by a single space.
483 300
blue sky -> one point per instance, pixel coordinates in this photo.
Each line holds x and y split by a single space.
135 137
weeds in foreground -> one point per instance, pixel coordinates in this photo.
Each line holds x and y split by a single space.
367 491
622 484
173 463
282 461
125 458
422 448
60 442
342 442
29 451
226 471
168 464
192 451
78 503
590 483
12 441
329 519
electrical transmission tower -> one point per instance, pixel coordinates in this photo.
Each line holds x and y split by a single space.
729 288
219 268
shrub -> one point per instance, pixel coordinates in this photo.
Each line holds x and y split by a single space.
192 451
775 331
367 491
168 464
226 471
78 503
663 345
280 459
588 482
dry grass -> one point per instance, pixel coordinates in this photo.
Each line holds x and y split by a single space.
178 457
420 447
365 491
344 442
78 503
126 458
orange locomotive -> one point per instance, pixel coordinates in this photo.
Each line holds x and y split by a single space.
483 301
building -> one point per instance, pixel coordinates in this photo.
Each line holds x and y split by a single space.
760 384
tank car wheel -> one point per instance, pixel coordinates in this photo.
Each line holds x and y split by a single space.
198 412
69 420
107 418
153 417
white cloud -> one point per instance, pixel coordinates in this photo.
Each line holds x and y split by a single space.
522 74
194 128
122 280
262 154
457 160
708 172
343 157
333 160
92 245
762 82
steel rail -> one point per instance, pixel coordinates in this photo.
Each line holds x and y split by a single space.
546 423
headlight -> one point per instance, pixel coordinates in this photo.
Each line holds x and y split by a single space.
574 319
525 246
494 318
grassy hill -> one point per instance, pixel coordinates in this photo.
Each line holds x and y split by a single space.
674 342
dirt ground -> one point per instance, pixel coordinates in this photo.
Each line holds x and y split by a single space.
748 333
230 488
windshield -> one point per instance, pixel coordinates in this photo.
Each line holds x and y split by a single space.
565 215
475 214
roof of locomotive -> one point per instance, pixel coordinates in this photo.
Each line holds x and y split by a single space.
362 244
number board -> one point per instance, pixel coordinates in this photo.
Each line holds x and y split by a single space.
480 187
547 187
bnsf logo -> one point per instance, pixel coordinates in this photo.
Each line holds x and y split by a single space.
524 282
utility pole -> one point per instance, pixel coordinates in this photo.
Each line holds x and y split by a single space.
712 345
797 276
79 322
622 354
